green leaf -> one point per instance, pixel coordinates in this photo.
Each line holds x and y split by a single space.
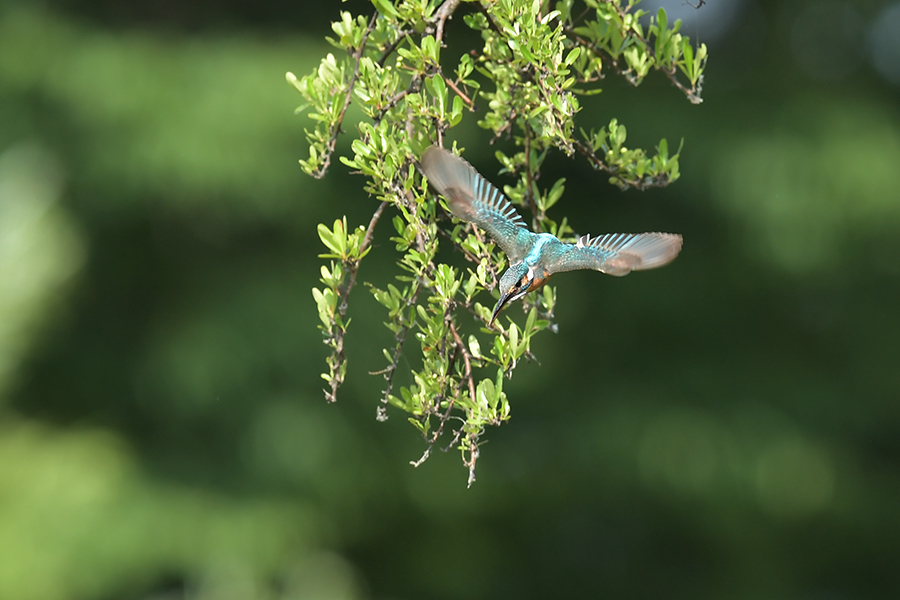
532 71
474 347
486 394
513 337
335 240
325 303
573 55
386 7
555 193
687 52
456 113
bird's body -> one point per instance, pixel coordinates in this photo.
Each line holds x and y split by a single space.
535 257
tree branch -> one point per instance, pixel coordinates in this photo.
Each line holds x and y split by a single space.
465 98
671 73
442 14
467 363
599 163
353 267
335 128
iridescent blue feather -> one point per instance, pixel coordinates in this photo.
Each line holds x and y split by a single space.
533 258
614 253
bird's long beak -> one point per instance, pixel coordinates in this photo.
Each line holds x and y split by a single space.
504 298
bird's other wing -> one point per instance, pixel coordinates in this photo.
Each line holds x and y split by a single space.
472 198
616 253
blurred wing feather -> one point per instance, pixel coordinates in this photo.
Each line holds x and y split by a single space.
472 198
618 253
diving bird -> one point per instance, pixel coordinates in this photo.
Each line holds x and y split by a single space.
534 257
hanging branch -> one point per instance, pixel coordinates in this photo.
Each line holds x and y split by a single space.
524 74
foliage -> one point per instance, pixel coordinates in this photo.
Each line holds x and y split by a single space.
536 61
162 431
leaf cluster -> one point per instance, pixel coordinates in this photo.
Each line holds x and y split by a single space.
536 61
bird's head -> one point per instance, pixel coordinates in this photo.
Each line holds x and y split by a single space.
518 280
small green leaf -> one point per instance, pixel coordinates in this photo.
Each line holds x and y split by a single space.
325 302
386 7
555 193
474 347
662 150
456 113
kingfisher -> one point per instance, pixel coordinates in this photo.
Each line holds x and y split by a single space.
534 257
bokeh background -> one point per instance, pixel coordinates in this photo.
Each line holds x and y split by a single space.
726 427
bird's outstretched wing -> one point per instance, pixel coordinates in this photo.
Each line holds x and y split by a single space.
472 198
616 253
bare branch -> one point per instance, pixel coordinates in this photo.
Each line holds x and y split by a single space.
473 457
465 98
442 14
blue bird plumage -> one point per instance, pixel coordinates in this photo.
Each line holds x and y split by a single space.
534 257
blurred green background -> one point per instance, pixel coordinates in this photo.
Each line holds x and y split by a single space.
727 427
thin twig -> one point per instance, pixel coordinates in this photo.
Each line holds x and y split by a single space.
473 456
354 265
335 128
393 46
639 183
460 349
487 15
467 363
692 93
671 72
581 16
438 432
344 292
400 339
465 98
415 85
